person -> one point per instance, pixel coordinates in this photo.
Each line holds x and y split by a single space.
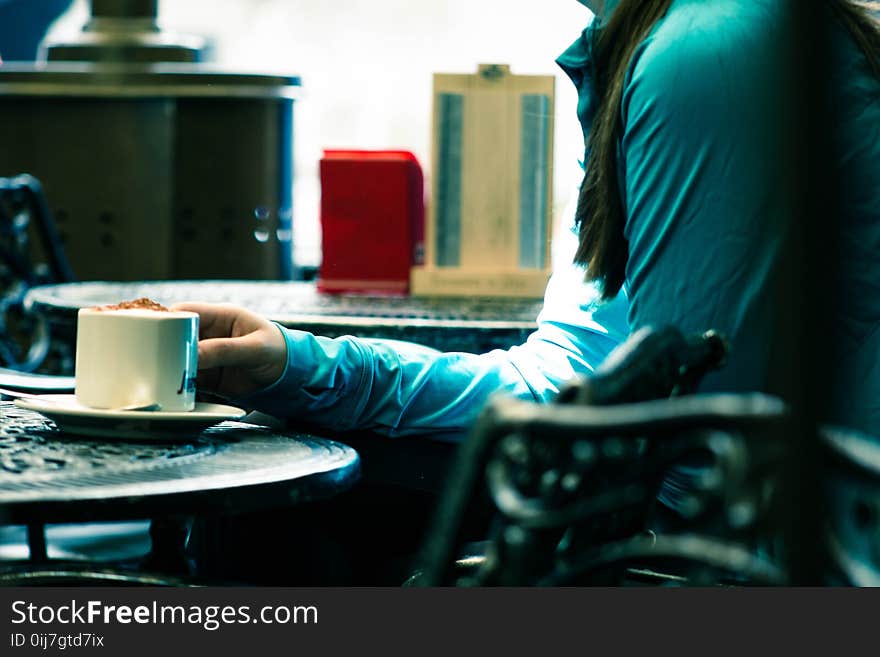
680 221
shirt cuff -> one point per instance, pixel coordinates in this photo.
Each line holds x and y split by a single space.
319 373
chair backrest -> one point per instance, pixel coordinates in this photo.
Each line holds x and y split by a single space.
24 263
570 489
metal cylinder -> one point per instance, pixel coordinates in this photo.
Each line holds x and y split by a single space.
156 166
125 31
125 8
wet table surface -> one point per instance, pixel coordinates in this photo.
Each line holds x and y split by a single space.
474 324
50 476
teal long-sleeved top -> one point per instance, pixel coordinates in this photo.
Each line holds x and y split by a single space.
704 201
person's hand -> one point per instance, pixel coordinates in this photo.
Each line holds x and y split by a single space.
240 352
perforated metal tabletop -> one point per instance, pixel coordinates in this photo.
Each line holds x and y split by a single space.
474 324
49 476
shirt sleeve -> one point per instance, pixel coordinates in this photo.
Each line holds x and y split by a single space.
398 388
702 181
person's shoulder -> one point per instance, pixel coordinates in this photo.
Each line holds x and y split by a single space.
699 47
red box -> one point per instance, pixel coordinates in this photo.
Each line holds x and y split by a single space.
372 221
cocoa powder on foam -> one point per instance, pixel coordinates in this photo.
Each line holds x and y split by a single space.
137 304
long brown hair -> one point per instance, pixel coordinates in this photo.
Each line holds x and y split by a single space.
602 246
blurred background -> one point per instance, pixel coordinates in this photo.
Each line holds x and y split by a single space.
366 68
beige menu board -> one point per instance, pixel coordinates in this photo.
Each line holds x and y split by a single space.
489 218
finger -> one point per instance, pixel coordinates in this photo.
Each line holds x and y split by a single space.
215 320
244 352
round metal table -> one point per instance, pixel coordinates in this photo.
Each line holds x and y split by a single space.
472 324
47 476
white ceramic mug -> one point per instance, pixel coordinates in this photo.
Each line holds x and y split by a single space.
136 357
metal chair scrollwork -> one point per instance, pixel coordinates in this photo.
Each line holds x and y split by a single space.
571 488
852 495
25 342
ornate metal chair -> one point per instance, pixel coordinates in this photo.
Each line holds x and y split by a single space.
569 491
852 495
25 343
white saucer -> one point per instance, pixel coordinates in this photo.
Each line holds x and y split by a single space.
72 417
